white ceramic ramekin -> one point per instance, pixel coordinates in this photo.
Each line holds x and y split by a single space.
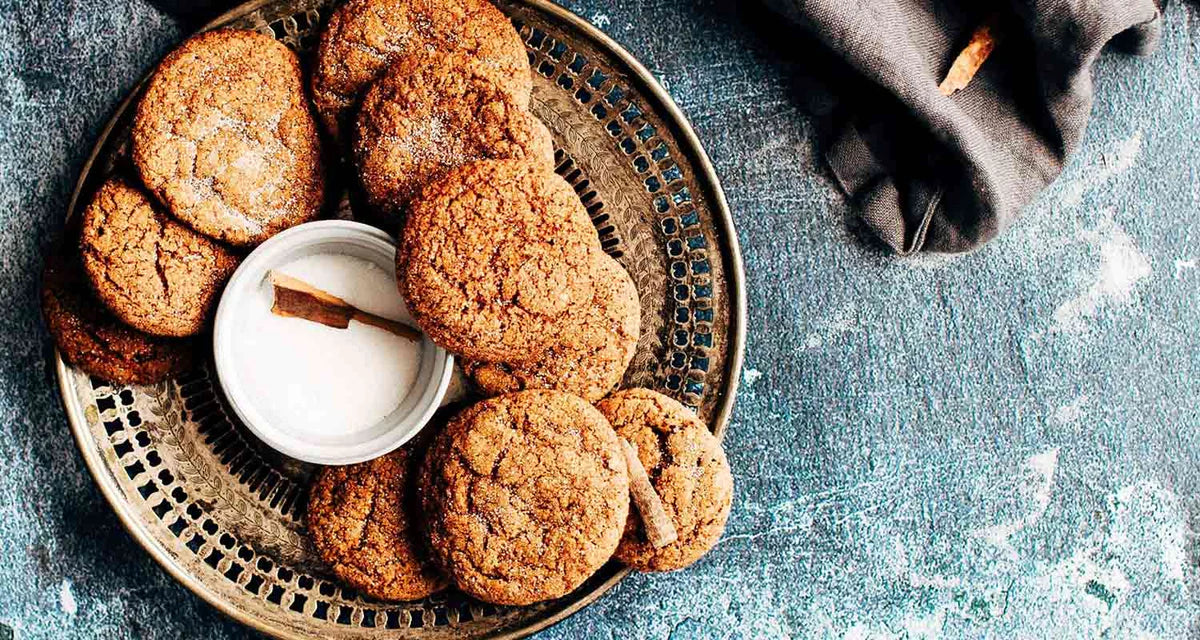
327 236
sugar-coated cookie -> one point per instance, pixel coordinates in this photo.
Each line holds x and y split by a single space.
153 273
688 469
361 518
364 37
90 338
224 137
431 112
525 496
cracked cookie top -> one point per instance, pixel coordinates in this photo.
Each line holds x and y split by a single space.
431 112
88 337
225 139
688 469
496 259
363 37
595 352
361 521
152 272
525 496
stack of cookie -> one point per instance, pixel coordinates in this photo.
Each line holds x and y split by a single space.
498 259
225 153
413 88
500 264
521 498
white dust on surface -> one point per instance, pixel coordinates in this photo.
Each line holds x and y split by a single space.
1124 575
749 377
66 598
1182 265
1125 579
1121 263
1035 487
924 626
1054 231
1122 267
1072 411
1111 164
901 566
930 261
840 322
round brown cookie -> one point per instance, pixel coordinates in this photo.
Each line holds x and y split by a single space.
495 260
365 36
689 471
224 137
89 338
596 350
431 112
153 273
361 521
525 496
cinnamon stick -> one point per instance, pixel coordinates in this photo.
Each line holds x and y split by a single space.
295 298
983 41
660 531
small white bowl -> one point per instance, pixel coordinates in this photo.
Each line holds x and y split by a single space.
327 236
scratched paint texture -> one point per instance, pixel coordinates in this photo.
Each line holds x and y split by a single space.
1002 444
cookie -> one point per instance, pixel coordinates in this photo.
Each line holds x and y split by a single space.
495 260
364 37
525 496
431 112
360 519
596 350
225 139
688 469
153 273
91 339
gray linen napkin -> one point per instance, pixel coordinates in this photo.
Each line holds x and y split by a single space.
936 173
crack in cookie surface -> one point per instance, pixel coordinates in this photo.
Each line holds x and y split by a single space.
364 527
90 338
496 259
224 137
526 496
364 36
688 470
152 272
593 353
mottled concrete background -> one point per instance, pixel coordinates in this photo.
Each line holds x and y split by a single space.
998 445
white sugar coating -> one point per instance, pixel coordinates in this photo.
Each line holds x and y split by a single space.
317 381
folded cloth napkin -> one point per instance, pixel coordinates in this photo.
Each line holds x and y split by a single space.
937 173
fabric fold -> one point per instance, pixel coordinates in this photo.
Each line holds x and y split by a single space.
936 173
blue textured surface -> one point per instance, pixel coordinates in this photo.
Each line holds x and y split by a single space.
1002 444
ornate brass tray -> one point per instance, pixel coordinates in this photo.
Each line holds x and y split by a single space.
224 515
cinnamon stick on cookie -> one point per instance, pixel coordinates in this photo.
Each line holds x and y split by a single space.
660 531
